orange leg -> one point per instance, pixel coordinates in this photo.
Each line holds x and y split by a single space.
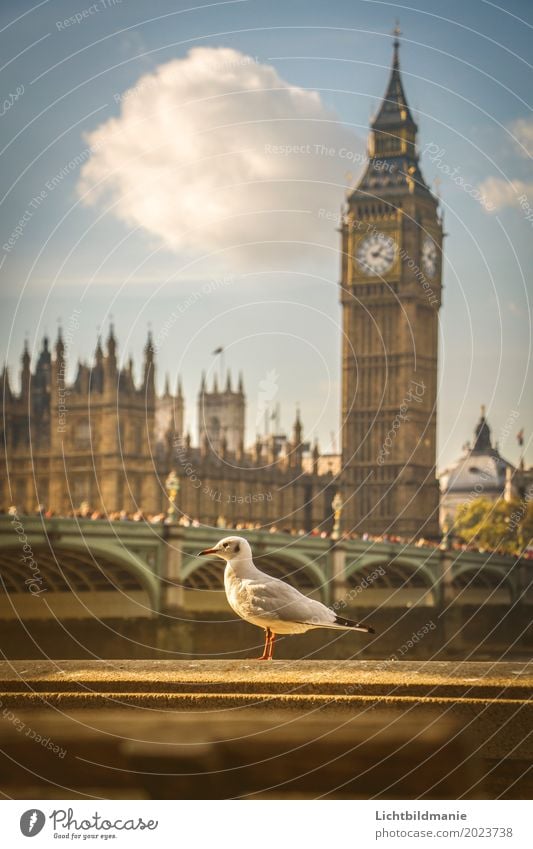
271 645
267 652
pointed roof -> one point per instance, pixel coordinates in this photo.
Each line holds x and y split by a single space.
149 350
98 353
60 345
393 167
5 381
26 356
482 440
297 427
394 109
111 340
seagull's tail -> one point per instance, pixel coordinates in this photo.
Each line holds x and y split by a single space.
354 626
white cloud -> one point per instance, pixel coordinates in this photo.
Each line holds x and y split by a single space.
522 129
500 193
208 149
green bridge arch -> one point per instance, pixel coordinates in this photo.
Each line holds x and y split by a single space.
163 559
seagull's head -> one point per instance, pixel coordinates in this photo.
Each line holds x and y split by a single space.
230 548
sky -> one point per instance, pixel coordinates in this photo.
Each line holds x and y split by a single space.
180 168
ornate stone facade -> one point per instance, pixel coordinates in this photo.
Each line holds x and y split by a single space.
390 295
109 444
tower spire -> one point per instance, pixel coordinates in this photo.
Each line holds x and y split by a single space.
149 358
394 113
396 45
392 155
25 377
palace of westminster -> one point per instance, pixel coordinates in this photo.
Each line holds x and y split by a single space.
112 444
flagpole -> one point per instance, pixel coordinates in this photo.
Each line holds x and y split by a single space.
219 352
520 440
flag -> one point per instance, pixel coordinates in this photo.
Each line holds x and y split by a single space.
217 351
520 437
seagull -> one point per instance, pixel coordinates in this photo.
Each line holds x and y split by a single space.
268 602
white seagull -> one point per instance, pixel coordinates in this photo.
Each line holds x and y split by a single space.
268 602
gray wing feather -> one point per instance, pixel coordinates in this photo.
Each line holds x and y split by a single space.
275 597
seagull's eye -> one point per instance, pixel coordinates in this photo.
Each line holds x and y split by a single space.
226 545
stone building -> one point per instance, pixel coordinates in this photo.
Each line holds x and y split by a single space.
221 415
390 295
107 444
111 443
480 472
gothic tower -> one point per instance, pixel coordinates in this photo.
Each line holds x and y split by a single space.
390 296
221 416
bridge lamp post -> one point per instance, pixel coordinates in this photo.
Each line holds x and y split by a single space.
337 505
447 525
172 486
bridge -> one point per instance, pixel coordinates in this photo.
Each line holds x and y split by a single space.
79 568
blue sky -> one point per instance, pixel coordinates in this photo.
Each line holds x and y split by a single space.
275 308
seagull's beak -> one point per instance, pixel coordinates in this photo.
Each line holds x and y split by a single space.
208 551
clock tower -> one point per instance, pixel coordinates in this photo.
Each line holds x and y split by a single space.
390 295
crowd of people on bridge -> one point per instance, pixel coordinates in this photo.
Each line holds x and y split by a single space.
85 512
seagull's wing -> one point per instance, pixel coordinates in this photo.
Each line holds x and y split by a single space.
270 597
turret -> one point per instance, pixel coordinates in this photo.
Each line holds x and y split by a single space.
149 367
110 364
59 363
6 388
316 456
25 374
482 437
60 345
296 442
297 430
97 371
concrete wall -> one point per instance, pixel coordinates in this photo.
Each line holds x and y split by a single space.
87 605
418 633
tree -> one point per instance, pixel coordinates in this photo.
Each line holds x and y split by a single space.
525 528
488 524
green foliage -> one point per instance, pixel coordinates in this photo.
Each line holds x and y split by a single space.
525 528
489 524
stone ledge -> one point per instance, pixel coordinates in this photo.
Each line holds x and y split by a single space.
398 679
139 717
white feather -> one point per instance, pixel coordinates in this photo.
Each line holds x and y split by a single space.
268 602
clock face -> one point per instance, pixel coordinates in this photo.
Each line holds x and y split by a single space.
429 256
376 254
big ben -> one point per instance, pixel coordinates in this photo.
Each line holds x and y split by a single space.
390 296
